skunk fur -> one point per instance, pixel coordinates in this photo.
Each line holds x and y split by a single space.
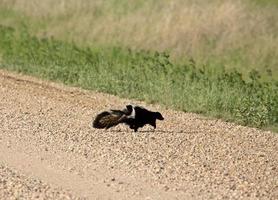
108 119
133 116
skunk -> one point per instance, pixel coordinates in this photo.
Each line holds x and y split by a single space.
133 116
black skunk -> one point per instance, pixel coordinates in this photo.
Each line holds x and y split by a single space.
133 116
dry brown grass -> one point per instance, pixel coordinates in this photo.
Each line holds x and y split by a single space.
232 32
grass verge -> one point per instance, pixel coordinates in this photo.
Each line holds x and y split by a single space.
232 33
143 75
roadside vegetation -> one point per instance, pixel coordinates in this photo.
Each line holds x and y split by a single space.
218 58
239 34
144 75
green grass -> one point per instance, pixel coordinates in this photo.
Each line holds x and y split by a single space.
241 34
265 2
144 75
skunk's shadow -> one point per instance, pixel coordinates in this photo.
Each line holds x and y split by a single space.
150 131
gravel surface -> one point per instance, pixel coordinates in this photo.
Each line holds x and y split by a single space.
14 185
49 150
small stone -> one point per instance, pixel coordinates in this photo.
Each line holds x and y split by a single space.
166 188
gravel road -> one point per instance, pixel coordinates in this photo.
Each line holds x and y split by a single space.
48 150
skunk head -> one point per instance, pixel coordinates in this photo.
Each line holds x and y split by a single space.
158 116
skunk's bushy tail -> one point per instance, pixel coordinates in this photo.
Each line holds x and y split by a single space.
106 120
99 121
